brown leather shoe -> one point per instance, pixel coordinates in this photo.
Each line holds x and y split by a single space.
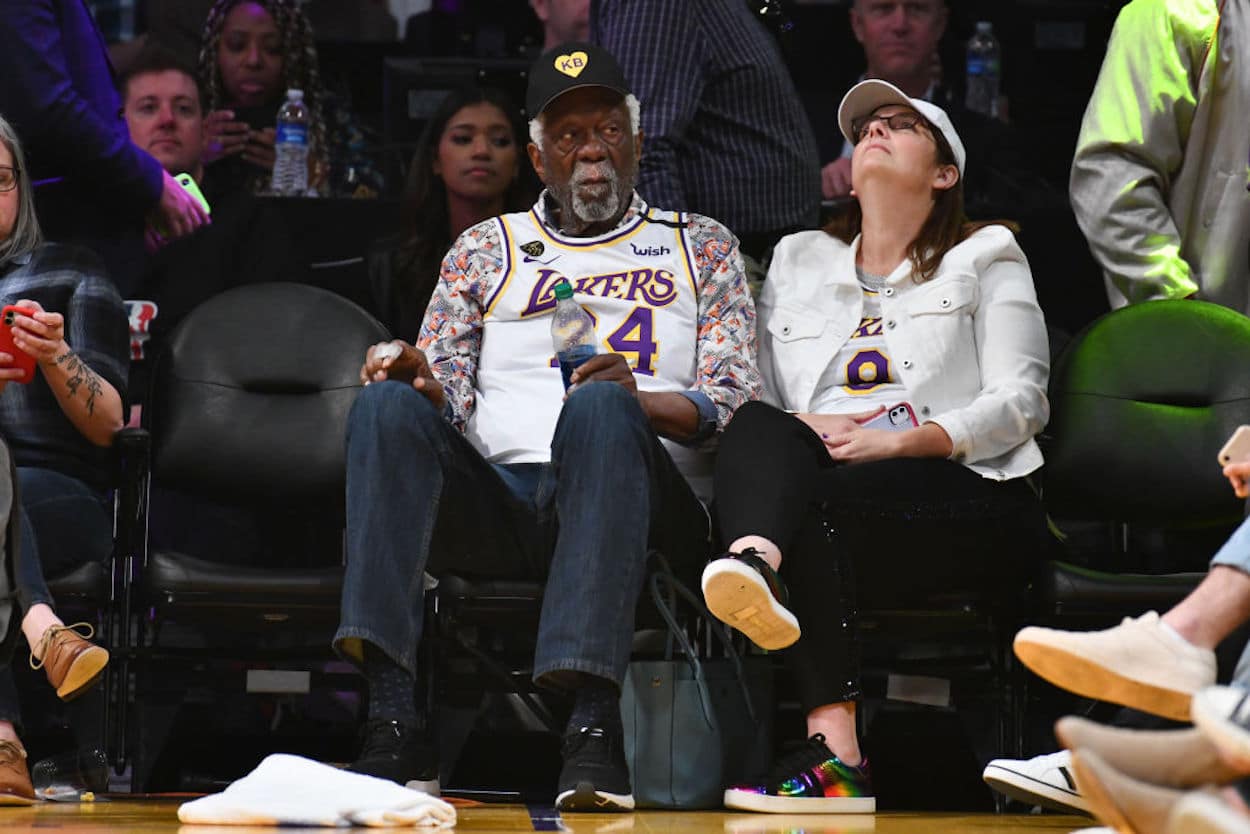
71 662
15 786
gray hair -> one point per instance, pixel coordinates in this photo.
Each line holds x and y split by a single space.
631 104
26 236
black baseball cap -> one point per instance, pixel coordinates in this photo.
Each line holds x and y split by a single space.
567 67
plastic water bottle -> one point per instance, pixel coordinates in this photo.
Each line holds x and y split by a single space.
290 167
572 332
984 57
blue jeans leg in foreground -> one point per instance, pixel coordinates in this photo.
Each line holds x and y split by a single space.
412 475
617 493
1236 554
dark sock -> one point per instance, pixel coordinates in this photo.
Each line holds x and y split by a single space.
390 688
596 703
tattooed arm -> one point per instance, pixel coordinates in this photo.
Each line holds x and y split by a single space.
88 400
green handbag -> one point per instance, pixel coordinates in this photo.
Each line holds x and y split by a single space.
693 724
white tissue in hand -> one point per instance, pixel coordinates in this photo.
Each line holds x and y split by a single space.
387 350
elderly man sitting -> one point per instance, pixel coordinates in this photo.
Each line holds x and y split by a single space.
465 453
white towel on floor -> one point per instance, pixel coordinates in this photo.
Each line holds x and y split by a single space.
292 790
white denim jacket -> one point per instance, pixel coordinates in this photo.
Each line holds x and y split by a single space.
969 344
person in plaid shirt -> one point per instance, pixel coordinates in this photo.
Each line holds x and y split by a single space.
70 320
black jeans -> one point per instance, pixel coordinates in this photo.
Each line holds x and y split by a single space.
887 532
64 523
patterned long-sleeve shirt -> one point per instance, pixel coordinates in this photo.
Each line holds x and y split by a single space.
473 272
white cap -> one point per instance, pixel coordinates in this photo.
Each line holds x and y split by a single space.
294 93
866 96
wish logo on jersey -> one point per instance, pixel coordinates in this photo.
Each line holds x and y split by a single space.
653 287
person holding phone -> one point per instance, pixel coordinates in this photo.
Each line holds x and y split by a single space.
251 53
247 242
92 185
60 309
900 306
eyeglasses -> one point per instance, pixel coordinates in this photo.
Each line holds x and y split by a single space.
8 178
896 121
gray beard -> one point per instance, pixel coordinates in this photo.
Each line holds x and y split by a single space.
584 212
596 212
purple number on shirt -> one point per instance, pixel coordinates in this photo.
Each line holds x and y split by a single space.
633 339
866 370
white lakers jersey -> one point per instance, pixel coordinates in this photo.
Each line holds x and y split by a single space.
638 282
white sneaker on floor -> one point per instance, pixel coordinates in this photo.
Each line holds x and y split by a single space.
1042 780
1140 663
1222 713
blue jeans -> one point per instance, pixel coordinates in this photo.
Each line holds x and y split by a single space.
421 497
65 523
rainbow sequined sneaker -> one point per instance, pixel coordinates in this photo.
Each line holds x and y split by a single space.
809 780
743 591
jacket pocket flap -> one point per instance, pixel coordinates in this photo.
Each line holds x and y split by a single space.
946 297
787 325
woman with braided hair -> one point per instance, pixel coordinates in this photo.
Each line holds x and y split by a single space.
251 52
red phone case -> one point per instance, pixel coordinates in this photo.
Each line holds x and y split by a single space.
21 359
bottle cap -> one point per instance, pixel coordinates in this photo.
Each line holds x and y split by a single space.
294 93
985 26
563 290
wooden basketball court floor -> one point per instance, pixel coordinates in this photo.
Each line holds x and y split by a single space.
159 816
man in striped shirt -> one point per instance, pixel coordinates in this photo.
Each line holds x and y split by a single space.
725 132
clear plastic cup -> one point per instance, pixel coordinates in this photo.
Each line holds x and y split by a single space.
76 776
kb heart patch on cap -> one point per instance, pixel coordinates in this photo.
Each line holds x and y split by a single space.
571 65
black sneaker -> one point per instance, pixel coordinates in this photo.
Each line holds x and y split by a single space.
395 751
743 591
594 776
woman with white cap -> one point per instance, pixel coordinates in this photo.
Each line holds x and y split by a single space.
905 361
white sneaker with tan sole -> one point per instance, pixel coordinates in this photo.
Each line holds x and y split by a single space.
1141 663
